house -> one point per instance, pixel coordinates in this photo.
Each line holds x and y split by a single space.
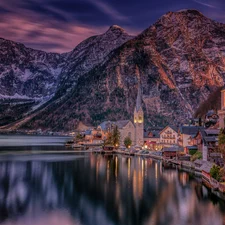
152 139
126 129
169 136
171 152
222 111
185 135
206 141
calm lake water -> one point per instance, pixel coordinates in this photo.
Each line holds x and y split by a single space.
89 189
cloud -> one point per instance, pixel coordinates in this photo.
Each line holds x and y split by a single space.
109 10
44 36
205 4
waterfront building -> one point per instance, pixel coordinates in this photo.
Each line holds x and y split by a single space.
222 111
152 139
185 135
169 136
206 141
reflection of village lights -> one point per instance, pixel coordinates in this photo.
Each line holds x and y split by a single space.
116 167
142 168
107 173
128 169
156 171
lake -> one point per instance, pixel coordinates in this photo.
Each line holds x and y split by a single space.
56 188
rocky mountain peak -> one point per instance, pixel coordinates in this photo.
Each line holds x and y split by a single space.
115 29
189 15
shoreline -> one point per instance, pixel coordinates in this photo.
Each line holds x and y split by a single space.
216 187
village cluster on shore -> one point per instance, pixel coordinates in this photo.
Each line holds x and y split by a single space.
194 146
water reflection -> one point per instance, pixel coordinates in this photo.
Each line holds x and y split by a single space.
101 190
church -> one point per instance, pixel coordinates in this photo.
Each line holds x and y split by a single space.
133 130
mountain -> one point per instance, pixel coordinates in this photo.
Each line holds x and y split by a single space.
90 53
179 61
28 78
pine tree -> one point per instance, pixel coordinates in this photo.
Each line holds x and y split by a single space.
116 137
127 142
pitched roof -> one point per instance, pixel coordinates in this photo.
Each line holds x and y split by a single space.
88 132
155 134
172 149
212 131
192 147
190 130
172 127
210 139
206 166
121 123
109 124
105 125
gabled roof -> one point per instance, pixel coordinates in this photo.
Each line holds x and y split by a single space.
105 125
212 132
206 166
121 123
155 134
172 127
172 149
109 124
190 130
88 132
192 147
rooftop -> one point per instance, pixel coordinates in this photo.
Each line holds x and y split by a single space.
190 130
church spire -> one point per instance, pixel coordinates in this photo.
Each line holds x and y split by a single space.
139 95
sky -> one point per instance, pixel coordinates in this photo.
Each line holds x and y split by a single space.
59 25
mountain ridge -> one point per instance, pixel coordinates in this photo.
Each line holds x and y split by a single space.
180 60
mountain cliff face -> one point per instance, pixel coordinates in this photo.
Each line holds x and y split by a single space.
179 61
89 53
28 78
27 73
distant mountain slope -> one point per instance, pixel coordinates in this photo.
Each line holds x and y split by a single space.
179 60
28 78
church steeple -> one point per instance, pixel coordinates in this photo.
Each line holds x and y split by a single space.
139 114
139 96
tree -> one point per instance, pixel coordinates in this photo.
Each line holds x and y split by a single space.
116 137
109 139
79 137
113 138
216 172
127 142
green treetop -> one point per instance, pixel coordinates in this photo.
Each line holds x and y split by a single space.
127 142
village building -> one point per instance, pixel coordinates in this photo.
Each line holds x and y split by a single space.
206 141
222 111
169 136
171 152
152 139
185 135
